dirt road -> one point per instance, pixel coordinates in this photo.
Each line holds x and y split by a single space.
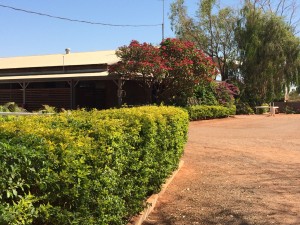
238 171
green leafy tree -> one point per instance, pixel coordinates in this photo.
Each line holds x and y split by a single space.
286 9
269 55
254 46
212 29
171 70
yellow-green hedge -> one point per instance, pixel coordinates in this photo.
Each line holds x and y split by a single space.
83 167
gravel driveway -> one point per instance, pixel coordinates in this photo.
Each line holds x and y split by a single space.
238 171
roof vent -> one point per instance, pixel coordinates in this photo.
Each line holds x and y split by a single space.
68 50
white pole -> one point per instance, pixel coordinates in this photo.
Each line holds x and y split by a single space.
163 21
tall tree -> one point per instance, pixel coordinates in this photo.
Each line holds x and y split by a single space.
287 9
269 53
258 46
212 32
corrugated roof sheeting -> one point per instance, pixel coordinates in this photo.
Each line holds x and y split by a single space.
83 58
54 76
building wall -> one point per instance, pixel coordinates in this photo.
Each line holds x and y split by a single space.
57 94
100 94
56 97
135 93
11 95
291 106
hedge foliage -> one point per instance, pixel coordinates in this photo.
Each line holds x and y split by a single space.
198 112
83 167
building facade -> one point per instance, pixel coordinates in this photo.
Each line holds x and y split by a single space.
69 81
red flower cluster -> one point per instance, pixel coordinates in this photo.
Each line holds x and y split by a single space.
174 62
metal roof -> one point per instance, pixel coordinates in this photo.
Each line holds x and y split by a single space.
53 77
71 59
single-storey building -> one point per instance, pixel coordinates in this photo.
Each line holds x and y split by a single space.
69 81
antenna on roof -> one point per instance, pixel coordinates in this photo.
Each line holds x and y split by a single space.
68 50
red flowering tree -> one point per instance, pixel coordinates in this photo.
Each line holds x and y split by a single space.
171 70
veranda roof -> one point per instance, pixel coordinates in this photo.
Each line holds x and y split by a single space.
71 59
63 76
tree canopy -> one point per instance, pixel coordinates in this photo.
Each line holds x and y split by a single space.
255 46
171 70
269 55
211 32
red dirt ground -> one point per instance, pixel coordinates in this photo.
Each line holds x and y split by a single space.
239 171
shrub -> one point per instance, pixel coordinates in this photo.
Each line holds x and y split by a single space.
48 109
290 110
212 93
225 93
243 108
83 167
11 107
209 112
262 110
205 93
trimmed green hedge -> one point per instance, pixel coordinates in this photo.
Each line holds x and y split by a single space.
199 112
83 167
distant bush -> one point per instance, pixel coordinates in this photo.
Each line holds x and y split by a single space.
243 108
291 110
212 93
199 112
11 107
83 167
48 109
263 110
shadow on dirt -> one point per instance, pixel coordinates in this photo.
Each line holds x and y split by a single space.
224 217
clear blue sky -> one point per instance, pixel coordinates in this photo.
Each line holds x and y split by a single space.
27 34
